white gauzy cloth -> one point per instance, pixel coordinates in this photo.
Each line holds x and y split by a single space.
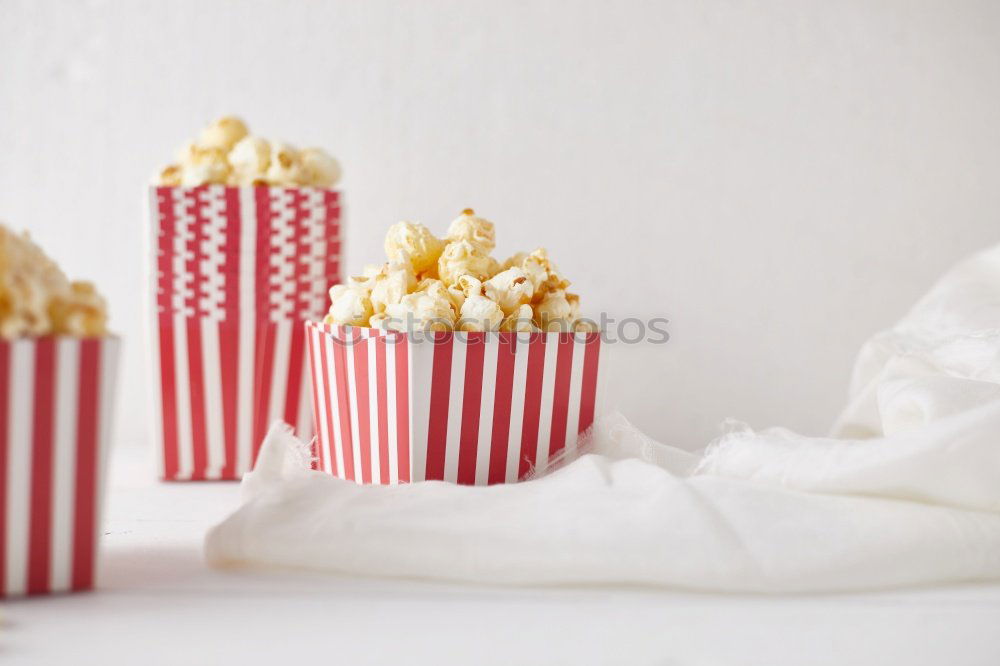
907 493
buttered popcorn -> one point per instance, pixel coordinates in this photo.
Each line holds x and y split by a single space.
226 153
37 299
455 283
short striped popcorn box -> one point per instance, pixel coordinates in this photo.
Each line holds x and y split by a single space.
56 397
470 408
235 271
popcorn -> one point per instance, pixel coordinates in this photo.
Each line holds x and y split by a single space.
476 230
225 152
286 165
318 168
463 258
554 312
479 314
544 274
417 241
520 321
511 289
349 305
431 284
250 159
223 133
37 299
427 310
393 281
204 165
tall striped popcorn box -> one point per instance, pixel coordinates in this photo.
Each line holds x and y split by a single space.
56 397
235 271
470 408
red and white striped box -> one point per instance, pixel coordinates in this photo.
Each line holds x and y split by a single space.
235 272
470 408
56 396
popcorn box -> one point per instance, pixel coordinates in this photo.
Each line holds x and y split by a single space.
235 271
55 409
470 408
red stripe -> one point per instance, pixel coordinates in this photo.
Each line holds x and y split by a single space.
229 370
196 375
437 425
318 457
360 349
532 404
293 385
501 407
331 203
560 397
382 391
196 381
87 458
41 467
471 402
229 333
588 391
346 441
4 399
262 386
168 380
402 388
168 396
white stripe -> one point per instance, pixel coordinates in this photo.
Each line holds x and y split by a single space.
153 351
420 357
279 371
19 452
548 396
517 406
248 260
305 428
321 392
185 445
456 395
64 462
373 382
213 398
110 349
575 386
390 395
352 396
486 409
336 441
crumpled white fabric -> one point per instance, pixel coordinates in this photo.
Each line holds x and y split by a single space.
906 491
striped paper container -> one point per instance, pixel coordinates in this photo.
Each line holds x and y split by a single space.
55 409
235 271
470 408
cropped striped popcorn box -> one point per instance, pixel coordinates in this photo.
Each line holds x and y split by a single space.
235 271
56 397
470 408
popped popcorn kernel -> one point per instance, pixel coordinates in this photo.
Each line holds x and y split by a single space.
349 305
463 258
250 159
223 133
426 310
520 321
393 281
554 312
318 168
286 165
510 288
476 230
417 241
204 165
479 314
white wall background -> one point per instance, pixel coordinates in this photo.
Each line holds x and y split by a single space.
778 178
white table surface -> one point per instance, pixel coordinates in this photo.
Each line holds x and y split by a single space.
159 604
